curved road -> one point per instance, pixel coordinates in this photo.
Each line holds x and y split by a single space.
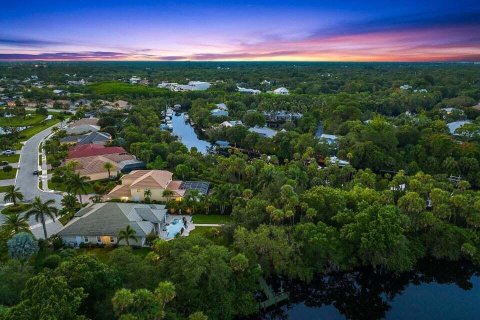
28 183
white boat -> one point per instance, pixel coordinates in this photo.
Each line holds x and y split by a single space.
186 117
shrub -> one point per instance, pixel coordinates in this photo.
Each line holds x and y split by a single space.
22 246
7 168
52 261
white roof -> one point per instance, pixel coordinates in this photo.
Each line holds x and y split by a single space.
452 126
281 90
263 131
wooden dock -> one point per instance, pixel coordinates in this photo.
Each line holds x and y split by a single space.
272 298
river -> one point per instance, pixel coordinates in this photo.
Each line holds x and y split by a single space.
436 290
187 134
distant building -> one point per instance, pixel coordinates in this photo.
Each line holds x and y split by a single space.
328 138
405 87
453 126
263 131
281 91
232 123
219 113
249 91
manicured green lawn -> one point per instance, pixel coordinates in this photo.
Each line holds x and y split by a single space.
14 158
4 188
22 121
8 175
62 187
211 219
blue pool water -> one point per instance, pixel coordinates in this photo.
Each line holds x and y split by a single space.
174 228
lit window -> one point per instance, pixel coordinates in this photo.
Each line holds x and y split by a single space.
112 240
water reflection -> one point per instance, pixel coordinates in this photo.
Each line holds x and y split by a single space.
187 134
436 290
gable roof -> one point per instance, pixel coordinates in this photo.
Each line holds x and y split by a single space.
108 219
95 164
94 137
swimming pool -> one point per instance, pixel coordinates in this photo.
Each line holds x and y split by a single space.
174 228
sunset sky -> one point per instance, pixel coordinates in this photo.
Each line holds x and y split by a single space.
241 30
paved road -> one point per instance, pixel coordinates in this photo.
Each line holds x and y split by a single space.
28 183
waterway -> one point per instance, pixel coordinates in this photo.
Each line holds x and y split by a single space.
187 134
436 290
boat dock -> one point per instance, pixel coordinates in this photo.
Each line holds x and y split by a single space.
272 297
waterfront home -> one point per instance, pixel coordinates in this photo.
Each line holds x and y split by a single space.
281 91
101 223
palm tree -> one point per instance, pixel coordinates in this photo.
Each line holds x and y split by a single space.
15 223
70 202
13 194
77 184
41 210
167 194
108 166
127 234
147 194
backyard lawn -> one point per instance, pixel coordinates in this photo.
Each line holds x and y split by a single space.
14 158
102 253
208 233
8 175
211 219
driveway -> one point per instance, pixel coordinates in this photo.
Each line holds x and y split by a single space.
28 183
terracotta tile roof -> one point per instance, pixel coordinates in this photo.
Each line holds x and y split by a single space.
89 150
94 164
147 179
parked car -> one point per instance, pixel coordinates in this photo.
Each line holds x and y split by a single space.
36 173
4 163
8 152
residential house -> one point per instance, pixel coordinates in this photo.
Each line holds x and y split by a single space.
97 137
93 167
328 138
219 113
453 126
405 87
232 123
281 91
101 223
249 91
81 129
88 150
135 184
263 131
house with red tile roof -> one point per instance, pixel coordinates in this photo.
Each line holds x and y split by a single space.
88 150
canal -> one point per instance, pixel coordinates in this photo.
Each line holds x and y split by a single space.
436 290
187 134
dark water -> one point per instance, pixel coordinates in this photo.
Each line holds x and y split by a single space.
436 290
187 134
